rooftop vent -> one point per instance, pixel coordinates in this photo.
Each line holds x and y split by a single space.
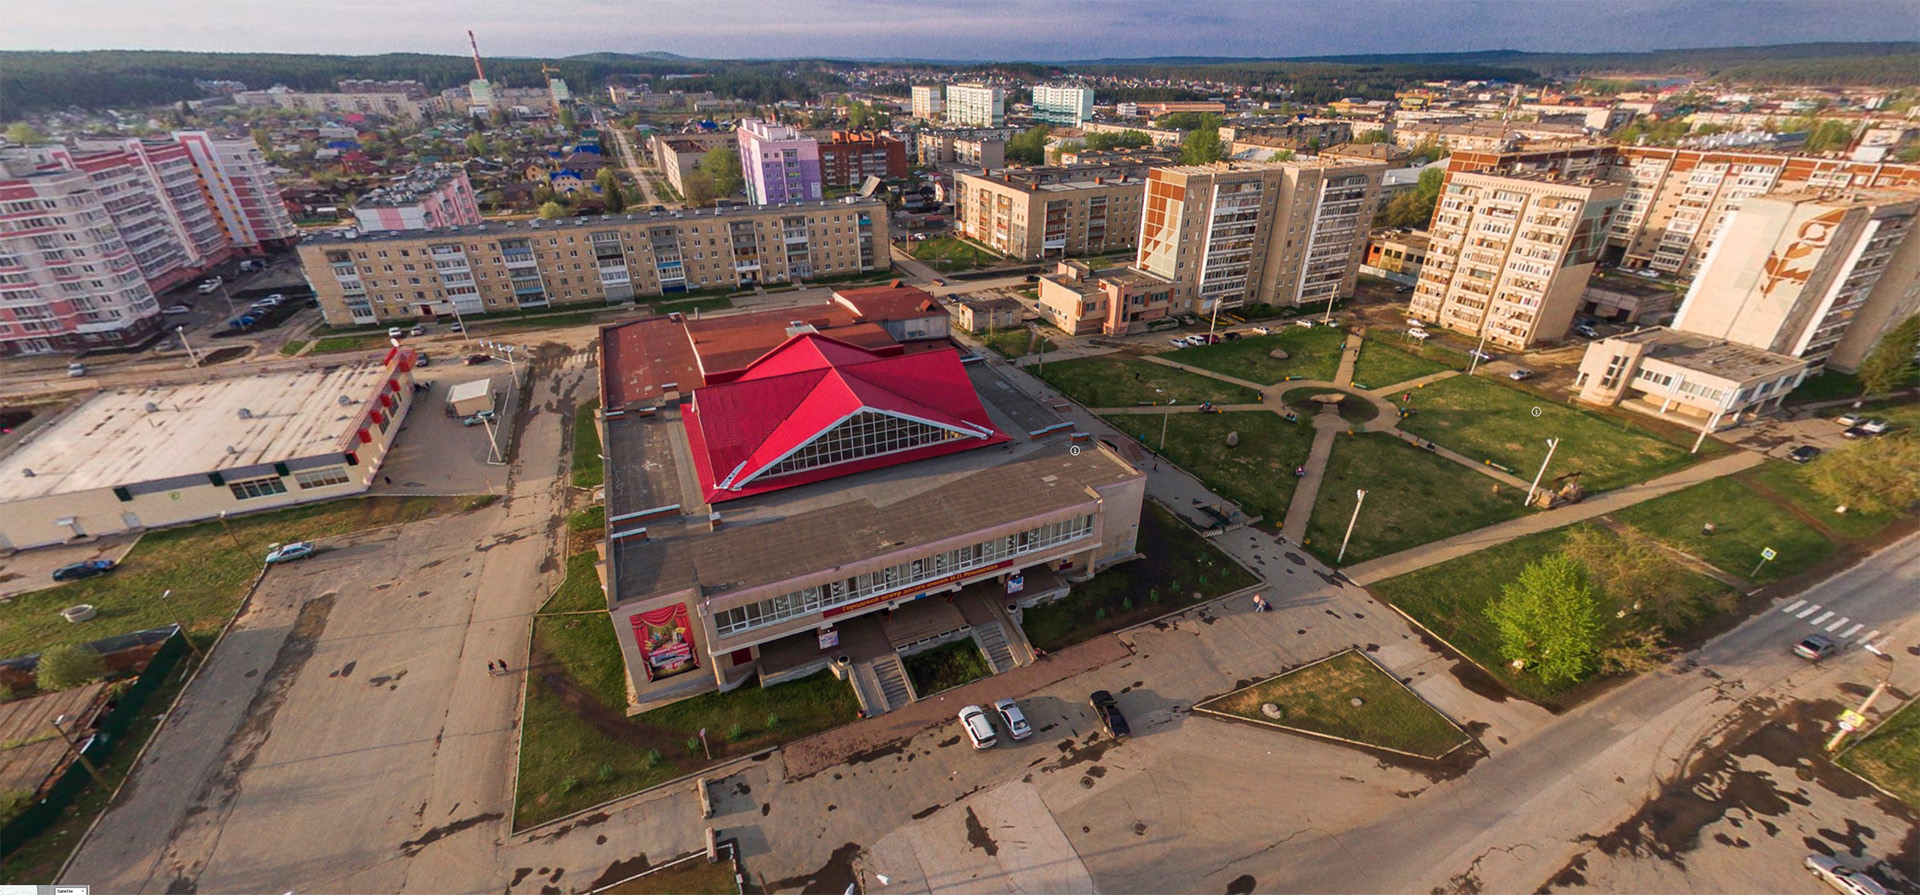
232 450
27 472
245 414
152 407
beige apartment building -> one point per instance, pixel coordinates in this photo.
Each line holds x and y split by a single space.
976 105
929 101
1114 300
611 259
1815 275
1051 212
1280 233
1508 255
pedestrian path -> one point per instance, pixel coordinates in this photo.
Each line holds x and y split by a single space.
1598 505
1836 627
1349 356
1412 384
1307 489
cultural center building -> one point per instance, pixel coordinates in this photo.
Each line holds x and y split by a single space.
834 487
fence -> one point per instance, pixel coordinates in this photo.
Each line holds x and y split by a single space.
74 780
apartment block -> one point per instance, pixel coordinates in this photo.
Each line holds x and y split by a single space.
1050 212
779 164
1114 300
976 105
1814 275
1285 233
68 281
245 197
397 105
847 159
189 212
1070 106
681 154
426 198
517 265
127 190
929 101
1508 256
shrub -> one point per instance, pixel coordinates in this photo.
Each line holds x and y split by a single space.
736 733
67 666
653 758
693 745
604 774
773 720
569 785
13 801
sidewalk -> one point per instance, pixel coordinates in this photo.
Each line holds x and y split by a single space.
1460 545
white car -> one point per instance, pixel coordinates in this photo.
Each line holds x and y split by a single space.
978 728
177 310
209 286
1013 718
290 552
1418 333
1259 330
1304 321
1846 879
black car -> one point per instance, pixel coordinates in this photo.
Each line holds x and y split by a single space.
478 358
1109 712
1803 453
79 570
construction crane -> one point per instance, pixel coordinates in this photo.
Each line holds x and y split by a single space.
478 74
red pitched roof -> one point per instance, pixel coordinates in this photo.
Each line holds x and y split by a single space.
738 429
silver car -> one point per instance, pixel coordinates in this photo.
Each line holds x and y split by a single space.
1846 879
1013 718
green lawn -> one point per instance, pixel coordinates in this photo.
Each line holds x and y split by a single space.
1311 354
1177 568
292 348
1356 409
1744 522
593 518
1891 755
579 748
1257 475
1012 343
690 877
1319 698
207 570
589 471
945 667
944 253
1126 382
1791 482
1381 365
1488 421
1829 385
332 344
1413 497
1451 600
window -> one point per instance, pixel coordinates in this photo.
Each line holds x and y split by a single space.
321 478
248 489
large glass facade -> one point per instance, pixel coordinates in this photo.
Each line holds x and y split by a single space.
899 578
865 434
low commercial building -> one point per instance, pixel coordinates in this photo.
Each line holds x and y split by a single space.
1620 297
1034 213
361 279
1115 301
426 198
982 315
1155 110
141 458
847 159
1396 254
804 489
1162 137
1692 379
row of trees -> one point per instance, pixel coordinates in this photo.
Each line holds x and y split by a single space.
1414 208
718 176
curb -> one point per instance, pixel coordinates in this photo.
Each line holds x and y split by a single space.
683 778
1333 737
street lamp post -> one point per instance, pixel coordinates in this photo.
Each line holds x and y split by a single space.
1359 497
60 727
1164 416
1551 444
182 625
1851 720
181 331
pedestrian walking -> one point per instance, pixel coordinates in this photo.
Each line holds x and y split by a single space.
1706 531
491 670
388 478
503 666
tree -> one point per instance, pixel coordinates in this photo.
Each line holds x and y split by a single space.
1414 208
477 144
1634 570
1890 365
1283 155
721 164
1879 476
610 193
1202 147
700 189
1122 140
1029 146
25 134
67 666
567 120
1548 620
552 211
1377 135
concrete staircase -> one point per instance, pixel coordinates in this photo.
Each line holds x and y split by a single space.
992 640
892 678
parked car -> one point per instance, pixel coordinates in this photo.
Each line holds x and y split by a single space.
1521 375
484 416
478 358
290 552
1418 333
1033 278
456 326
1849 420
1259 330
1403 289
209 285
1109 712
1231 337
979 729
1876 427
76 369
249 264
1587 331
1803 453
1013 718
86 569
1816 647
1179 343
1643 272
417 330
1846 879
1306 322
1482 355
1856 432
394 332
421 360
177 310
937 281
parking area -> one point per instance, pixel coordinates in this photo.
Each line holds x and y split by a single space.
30 570
435 453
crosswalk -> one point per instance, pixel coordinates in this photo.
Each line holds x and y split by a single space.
1841 628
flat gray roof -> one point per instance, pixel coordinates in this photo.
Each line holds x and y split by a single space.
111 439
1714 357
494 227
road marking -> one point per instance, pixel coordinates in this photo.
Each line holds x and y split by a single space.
1870 636
1792 606
1807 611
1836 625
1823 617
1851 631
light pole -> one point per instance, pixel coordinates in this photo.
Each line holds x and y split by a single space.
1359 497
228 529
177 622
1712 423
1215 319
1852 720
60 727
1481 349
1551 444
1164 416
181 331
464 337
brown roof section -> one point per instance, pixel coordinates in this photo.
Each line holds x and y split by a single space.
894 301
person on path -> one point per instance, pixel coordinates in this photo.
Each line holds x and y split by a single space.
503 666
491 670
1260 604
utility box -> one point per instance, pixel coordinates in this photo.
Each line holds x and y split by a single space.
469 398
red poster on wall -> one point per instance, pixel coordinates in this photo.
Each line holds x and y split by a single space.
666 641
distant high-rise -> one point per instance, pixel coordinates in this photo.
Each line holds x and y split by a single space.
246 198
976 105
68 279
929 101
778 163
1069 106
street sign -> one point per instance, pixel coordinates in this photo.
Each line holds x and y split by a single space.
1852 720
1768 554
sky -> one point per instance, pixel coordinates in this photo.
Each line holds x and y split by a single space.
1036 30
